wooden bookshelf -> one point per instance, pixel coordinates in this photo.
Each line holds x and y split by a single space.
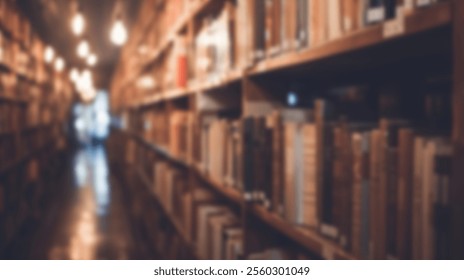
179 229
167 41
424 36
34 105
159 150
24 158
418 23
227 192
307 238
421 21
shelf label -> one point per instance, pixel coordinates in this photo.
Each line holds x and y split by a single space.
394 27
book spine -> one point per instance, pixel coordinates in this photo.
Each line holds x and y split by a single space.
278 167
417 253
405 182
357 195
248 163
289 191
374 218
310 173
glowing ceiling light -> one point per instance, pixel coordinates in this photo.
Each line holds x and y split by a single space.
49 54
83 49
118 34
78 24
92 60
59 64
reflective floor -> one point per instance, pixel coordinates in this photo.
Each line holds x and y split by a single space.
88 219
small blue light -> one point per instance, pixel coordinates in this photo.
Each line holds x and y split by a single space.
292 99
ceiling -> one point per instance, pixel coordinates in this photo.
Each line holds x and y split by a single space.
51 19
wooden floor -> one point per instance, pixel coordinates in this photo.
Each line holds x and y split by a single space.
86 219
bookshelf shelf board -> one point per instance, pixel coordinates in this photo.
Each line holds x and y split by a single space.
151 100
167 96
233 76
228 192
159 150
310 239
179 229
420 21
177 93
230 78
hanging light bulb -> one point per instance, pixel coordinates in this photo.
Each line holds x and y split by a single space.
83 49
59 64
118 34
78 24
49 54
74 75
92 60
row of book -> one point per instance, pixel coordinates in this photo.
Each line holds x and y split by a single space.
149 38
170 186
215 231
219 233
14 23
279 26
353 182
15 117
12 116
237 34
24 55
171 131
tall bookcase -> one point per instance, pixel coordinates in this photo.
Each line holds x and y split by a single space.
426 42
34 106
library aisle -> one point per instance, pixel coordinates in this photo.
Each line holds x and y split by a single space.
232 129
87 218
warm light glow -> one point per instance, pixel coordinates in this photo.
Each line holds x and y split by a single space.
74 75
49 54
85 87
59 64
118 33
78 24
146 82
83 49
92 60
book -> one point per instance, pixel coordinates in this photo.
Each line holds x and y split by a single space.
361 188
204 212
405 187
